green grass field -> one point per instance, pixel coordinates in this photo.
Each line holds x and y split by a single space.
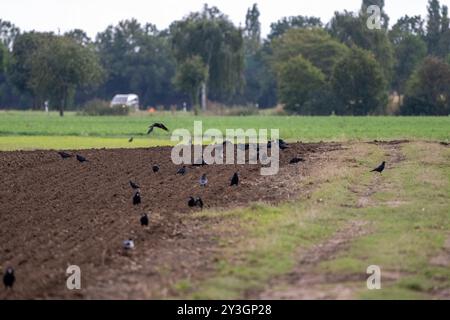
37 130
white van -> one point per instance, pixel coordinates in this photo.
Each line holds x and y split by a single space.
129 100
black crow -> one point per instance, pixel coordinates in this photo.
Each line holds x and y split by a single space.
203 180
134 185
130 140
296 160
380 168
199 202
64 154
144 220
283 145
198 163
235 180
128 244
81 158
182 170
137 198
156 125
9 278
155 168
193 202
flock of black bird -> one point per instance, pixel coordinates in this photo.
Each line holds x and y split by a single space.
9 276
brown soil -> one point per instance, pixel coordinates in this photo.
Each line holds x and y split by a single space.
55 213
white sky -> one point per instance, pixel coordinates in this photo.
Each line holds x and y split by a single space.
95 15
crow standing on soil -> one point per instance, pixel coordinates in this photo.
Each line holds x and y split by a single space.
64 154
182 171
203 180
137 198
9 278
380 168
235 180
134 185
155 168
195 202
81 158
296 160
157 125
144 220
128 244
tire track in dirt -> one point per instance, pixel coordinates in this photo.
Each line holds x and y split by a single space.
304 282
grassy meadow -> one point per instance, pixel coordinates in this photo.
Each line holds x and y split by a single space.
37 130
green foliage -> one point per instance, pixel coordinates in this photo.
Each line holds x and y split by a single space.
409 52
295 22
189 77
428 89
359 84
252 31
299 82
352 29
98 107
137 59
54 67
210 35
433 26
315 45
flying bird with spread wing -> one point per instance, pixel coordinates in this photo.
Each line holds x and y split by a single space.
157 125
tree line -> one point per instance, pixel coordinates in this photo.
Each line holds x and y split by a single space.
311 68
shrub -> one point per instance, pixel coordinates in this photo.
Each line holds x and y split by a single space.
98 107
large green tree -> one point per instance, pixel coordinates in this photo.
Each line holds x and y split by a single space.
189 77
315 45
300 82
53 67
428 89
351 29
294 22
359 84
60 66
210 35
433 26
137 59
252 31
407 38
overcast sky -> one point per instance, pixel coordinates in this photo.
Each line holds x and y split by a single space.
95 15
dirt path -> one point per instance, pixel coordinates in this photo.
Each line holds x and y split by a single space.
304 282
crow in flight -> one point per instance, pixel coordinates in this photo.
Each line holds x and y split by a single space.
137 198
9 278
81 158
182 170
235 180
64 154
144 220
134 185
155 168
380 168
157 125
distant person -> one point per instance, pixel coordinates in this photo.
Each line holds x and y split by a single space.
46 106
184 107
